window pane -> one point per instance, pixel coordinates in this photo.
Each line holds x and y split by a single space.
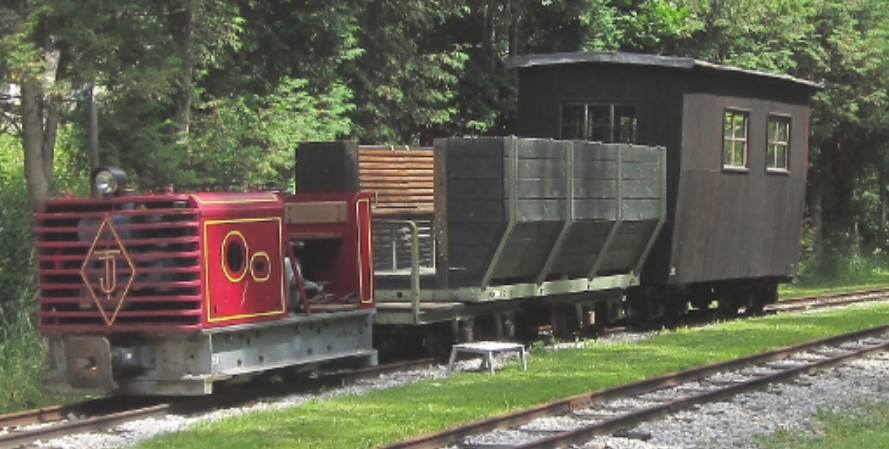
779 142
599 122
734 128
625 118
740 131
781 158
572 122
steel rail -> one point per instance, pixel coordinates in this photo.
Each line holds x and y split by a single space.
838 299
55 428
20 438
55 413
586 433
454 436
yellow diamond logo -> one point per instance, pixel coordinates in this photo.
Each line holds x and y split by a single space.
108 271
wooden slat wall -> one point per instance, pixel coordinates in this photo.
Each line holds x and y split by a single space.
401 178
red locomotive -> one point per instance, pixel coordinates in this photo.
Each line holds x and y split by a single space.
168 293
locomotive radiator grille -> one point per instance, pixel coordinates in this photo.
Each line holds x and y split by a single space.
120 264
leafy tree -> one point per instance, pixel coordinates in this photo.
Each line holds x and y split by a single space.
404 80
253 137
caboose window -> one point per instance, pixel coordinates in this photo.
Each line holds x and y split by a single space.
778 144
599 122
734 139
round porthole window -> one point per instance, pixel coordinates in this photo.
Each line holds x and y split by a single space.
234 256
260 267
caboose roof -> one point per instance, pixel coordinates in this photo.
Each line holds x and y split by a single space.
637 59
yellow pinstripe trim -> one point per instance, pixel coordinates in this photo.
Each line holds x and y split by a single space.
370 255
271 198
205 257
224 252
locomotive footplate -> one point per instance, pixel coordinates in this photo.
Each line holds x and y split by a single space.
189 364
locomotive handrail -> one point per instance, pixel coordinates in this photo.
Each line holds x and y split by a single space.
415 262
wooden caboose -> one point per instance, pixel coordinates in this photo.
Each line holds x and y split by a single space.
737 144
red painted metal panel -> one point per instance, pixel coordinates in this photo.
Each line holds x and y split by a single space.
338 254
243 269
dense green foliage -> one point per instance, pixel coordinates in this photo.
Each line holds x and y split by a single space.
197 91
21 349
385 416
184 88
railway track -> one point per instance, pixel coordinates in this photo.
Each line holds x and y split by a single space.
23 429
834 300
578 419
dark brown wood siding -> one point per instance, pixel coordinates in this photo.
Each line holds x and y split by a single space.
738 224
720 225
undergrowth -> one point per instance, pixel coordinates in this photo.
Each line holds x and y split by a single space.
22 348
863 427
838 274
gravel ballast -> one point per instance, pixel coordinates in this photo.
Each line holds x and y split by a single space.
719 425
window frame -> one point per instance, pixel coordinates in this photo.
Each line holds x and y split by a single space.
788 120
734 140
614 125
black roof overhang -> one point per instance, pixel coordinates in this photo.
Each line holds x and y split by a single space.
638 59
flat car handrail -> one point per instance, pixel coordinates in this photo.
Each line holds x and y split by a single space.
415 261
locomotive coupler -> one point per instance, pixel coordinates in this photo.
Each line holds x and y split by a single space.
85 362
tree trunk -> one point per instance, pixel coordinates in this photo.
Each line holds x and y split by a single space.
817 227
513 23
93 132
36 175
881 210
184 33
487 36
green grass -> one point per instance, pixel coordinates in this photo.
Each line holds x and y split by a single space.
840 275
790 291
389 415
866 427
23 356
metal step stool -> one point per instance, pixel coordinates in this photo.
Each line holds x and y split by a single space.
487 349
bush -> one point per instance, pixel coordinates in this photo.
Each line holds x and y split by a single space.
21 347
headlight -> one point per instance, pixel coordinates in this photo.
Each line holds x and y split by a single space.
109 181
